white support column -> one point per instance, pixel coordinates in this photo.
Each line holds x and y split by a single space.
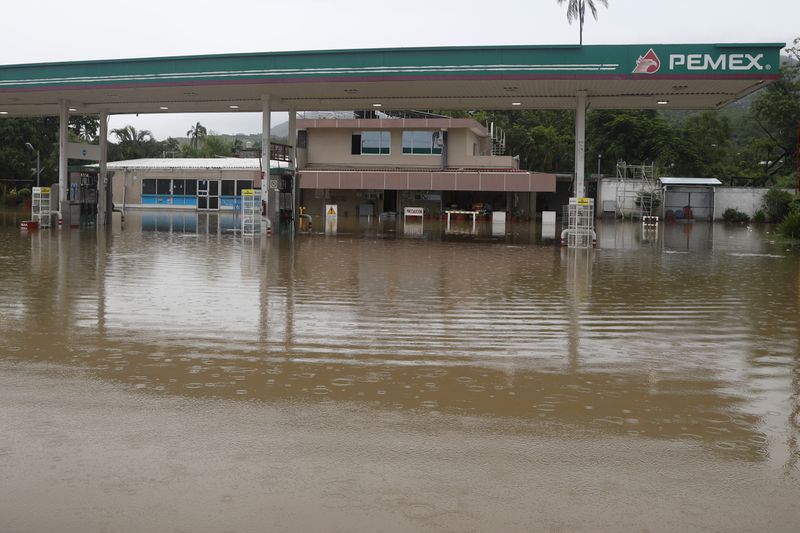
580 143
293 164
63 121
266 125
103 206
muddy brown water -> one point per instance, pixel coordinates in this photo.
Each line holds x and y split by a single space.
173 375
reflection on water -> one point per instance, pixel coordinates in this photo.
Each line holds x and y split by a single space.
692 338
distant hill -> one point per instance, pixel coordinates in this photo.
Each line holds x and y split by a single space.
280 134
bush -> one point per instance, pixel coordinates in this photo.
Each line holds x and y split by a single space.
11 198
24 193
650 200
776 204
790 227
735 216
759 217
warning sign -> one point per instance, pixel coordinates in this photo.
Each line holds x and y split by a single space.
330 210
248 192
583 201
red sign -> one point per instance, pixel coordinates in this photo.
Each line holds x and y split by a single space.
648 63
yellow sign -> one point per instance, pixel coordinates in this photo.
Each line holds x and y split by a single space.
248 192
45 190
332 211
583 201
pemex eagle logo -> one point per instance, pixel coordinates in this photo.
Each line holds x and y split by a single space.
648 63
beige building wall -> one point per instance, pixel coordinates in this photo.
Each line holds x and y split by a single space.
331 148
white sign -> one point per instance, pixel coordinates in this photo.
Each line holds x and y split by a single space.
90 152
331 218
723 61
413 211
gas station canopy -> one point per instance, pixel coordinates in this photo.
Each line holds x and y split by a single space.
677 76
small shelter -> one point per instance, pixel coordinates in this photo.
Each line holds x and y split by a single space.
688 198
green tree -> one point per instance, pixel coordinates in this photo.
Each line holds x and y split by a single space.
576 9
777 112
197 134
702 147
133 144
543 139
636 137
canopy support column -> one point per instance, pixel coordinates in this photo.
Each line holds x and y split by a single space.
580 143
268 194
293 165
103 201
63 121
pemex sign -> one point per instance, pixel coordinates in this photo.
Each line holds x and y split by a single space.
718 61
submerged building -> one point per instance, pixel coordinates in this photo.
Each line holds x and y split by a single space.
366 166
369 166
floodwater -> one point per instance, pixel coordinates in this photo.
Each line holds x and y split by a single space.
173 375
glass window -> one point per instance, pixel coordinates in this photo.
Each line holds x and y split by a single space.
178 187
376 142
163 186
191 187
228 187
243 184
421 142
148 186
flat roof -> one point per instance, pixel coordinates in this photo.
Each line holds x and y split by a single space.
628 76
690 181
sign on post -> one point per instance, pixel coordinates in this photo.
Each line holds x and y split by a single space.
413 212
331 218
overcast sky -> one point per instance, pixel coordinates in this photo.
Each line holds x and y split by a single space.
58 30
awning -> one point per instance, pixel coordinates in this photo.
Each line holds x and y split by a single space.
690 181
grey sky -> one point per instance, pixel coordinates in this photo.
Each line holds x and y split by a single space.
48 31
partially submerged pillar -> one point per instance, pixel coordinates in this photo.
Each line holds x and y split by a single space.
63 121
104 207
271 196
580 143
293 164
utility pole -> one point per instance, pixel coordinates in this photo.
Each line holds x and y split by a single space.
38 166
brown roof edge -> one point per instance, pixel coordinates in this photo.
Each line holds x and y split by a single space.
395 123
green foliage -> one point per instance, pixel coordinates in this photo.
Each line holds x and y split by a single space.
735 216
776 204
777 112
24 193
637 137
759 217
213 146
648 200
790 227
543 139
197 134
137 144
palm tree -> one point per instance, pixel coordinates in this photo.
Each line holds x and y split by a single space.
576 9
197 133
133 143
129 134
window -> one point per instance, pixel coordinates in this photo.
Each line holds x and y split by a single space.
191 188
421 142
371 143
163 186
148 186
228 187
178 187
243 184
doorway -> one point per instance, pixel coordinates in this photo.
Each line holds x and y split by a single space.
208 195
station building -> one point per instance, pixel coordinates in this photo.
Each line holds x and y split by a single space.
365 166
369 166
